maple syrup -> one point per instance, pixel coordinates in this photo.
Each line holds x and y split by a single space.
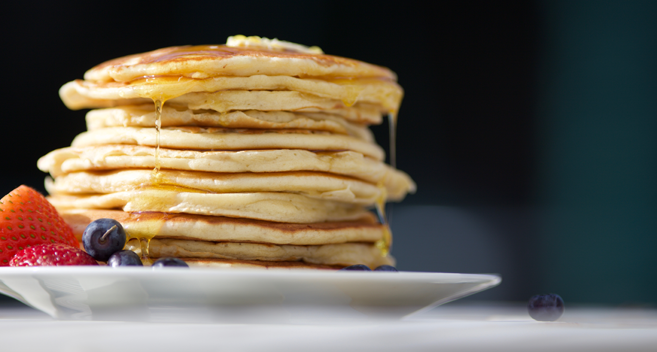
144 235
392 132
141 228
385 243
158 127
146 230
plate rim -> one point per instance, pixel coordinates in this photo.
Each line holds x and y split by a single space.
74 270
485 281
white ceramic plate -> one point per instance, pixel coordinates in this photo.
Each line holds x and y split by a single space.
238 296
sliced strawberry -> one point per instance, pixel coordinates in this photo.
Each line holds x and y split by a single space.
54 254
27 219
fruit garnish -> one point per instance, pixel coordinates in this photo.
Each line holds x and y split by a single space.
386 268
27 219
545 307
102 238
124 258
357 267
165 262
54 254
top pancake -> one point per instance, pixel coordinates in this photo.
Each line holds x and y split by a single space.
241 57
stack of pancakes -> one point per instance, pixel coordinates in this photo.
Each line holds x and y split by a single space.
253 153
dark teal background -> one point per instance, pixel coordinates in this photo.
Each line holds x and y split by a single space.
597 136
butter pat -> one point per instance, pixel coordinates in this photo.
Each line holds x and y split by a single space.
255 42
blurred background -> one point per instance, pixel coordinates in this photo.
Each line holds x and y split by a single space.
530 127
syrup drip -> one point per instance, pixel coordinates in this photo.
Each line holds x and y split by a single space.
142 227
155 176
144 244
144 233
392 130
385 243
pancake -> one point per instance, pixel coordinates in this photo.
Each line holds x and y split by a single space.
225 229
242 56
144 116
119 157
310 184
350 91
225 101
328 254
108 157
269 206
210 138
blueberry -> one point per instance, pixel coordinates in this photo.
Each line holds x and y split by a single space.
545 307
102 238
386 268
162 262
358 267
124 258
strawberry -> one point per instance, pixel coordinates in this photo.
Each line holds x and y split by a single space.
54 254
27 219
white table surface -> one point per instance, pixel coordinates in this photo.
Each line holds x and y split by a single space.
453 327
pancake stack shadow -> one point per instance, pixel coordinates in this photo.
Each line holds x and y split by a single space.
263 156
